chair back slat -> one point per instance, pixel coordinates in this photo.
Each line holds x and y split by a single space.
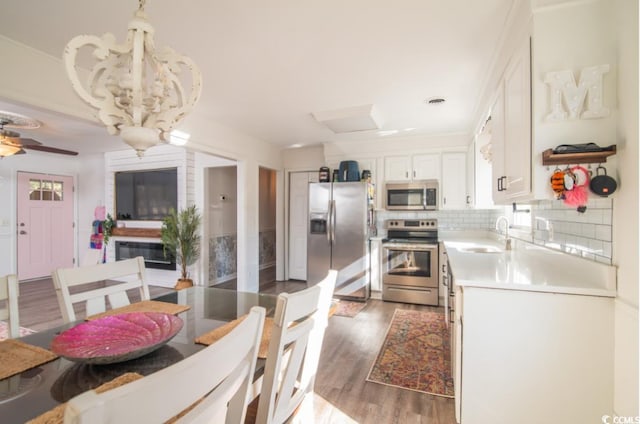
133 270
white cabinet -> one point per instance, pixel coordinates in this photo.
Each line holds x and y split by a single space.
532 357
511 130
453 186
408 168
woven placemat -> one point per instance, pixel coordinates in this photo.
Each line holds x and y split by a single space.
144 306
218 333
17 356
56 415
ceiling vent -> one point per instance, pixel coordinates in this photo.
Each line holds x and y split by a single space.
350 119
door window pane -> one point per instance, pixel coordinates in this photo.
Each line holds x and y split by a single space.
47 187
57 190
34 189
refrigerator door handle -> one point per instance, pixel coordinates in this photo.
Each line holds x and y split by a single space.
333 221
329 224
424 199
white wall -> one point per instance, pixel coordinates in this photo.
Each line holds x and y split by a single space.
625 212
86 197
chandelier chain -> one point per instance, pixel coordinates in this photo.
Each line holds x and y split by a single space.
141 4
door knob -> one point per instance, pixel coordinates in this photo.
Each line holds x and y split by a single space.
23 232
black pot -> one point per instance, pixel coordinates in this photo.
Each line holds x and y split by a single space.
603 185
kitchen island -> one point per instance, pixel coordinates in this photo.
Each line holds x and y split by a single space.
533 332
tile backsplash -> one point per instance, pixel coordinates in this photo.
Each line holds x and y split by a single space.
553 224
587 234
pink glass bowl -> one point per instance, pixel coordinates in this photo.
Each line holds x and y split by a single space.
116 338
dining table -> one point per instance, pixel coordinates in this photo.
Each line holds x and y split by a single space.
35 391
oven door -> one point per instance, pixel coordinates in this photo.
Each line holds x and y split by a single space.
406 264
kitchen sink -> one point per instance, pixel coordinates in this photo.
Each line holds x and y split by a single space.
481 249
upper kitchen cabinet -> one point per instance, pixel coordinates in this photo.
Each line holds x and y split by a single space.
409 168
511 131
454 181
558 86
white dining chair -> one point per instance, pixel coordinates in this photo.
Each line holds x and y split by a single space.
294 350
215 382
133 270
9 292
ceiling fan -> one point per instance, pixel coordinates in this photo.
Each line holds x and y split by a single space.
12 144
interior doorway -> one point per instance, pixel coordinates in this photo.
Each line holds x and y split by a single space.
222 224
267 225
45 224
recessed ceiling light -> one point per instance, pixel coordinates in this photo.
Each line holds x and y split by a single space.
409 129
295 146
435 101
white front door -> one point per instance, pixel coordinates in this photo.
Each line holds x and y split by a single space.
298 211
45 224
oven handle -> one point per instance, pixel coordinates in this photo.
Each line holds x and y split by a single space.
408 248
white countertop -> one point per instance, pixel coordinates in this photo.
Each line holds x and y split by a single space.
525 267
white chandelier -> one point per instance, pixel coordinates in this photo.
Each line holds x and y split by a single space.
136 90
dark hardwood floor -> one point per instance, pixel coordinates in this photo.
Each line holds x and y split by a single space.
342 393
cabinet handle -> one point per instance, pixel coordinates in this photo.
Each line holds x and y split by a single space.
444 200
406 174
501 186
445 282
414 173
444 270
468 200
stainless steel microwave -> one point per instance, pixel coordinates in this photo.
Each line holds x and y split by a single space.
415 196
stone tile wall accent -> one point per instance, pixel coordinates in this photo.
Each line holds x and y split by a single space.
267 242
223 258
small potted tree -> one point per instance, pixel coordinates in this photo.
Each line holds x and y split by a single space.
180 237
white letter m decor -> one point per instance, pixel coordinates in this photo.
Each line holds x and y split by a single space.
587 92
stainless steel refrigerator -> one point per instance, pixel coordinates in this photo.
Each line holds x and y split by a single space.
338 236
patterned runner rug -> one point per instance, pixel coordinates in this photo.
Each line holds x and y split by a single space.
415 354
4 331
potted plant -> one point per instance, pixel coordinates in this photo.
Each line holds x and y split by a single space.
180 236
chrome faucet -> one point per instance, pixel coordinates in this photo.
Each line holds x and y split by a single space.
507 240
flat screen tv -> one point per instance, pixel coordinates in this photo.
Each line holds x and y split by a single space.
146 195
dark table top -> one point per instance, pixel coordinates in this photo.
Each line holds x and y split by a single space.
33 392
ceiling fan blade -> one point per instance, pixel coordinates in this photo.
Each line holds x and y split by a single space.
29 142
50 149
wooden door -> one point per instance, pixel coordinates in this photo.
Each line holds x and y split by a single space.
45 224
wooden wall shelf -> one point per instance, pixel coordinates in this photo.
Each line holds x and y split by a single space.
136 232
550 158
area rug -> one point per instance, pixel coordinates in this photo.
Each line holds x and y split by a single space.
4 331
349 309
415 354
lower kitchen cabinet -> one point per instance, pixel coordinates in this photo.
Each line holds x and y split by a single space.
532 357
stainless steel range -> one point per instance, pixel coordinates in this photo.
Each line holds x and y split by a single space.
410 261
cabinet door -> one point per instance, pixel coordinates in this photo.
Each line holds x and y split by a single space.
397 168
426 167
498 187
454 181
517 124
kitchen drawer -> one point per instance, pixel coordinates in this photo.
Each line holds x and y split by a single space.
420 296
